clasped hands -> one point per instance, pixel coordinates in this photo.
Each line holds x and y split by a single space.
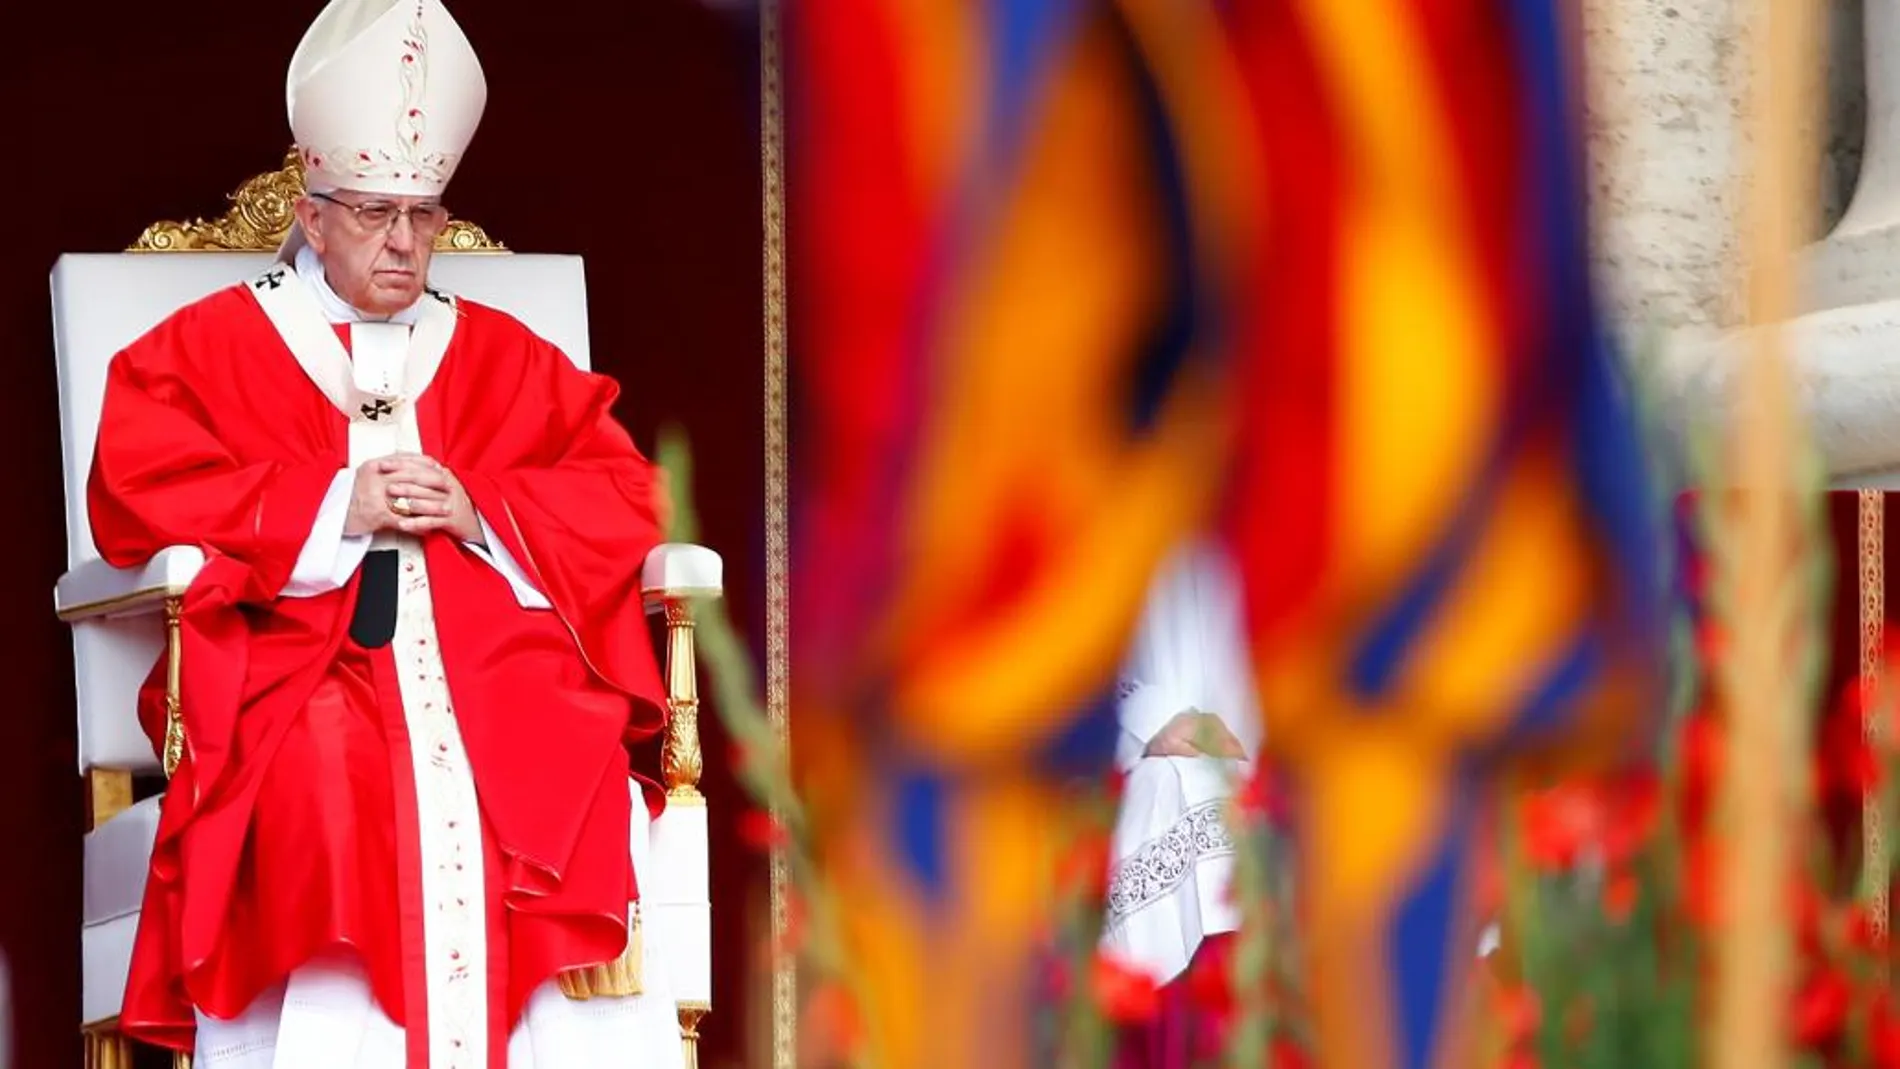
1195 734
411 493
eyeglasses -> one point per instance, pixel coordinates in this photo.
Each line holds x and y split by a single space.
376 215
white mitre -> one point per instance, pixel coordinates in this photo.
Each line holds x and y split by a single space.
384 97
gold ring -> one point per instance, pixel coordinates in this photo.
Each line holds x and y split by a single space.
401 505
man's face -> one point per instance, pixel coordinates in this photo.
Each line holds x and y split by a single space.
375 254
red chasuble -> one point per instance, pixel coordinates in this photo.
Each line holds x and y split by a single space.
291 826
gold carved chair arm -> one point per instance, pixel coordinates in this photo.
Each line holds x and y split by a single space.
94 591
675 575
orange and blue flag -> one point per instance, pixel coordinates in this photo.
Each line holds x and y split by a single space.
1441 503
1015 232
1075 279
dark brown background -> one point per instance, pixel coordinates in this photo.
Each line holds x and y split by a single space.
625 132
1838 720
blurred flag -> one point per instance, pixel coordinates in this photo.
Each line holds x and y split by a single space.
1014 290
1074 278
1442 508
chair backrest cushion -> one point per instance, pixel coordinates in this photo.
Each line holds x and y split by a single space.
102 302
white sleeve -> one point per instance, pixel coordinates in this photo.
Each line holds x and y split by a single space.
1229 682
1144 709
496 553
1156 676
329 557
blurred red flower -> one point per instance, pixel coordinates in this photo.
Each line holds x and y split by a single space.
1125 995
1701 769
759 830
1821 1003
1610 819
1083 870
1518 1012
1286 1054
1883 1032
1264 795
831 1027
1620 893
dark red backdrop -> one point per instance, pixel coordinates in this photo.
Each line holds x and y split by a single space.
625 132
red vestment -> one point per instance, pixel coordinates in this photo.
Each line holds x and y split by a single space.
288 828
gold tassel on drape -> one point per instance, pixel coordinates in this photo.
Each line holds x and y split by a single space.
617 978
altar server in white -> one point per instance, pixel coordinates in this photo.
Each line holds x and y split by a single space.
1190 727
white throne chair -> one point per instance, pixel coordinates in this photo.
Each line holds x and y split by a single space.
124 620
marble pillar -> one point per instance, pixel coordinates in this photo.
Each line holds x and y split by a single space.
1858 262
1673 144
1668 139
1670 144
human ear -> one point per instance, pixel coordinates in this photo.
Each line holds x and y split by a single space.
308 216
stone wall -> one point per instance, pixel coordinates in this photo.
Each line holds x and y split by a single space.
1669 141
1666 143
1669 102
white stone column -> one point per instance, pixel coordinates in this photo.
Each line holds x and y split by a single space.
1859 261
1668 140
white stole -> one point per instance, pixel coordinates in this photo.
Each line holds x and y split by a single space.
376 383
